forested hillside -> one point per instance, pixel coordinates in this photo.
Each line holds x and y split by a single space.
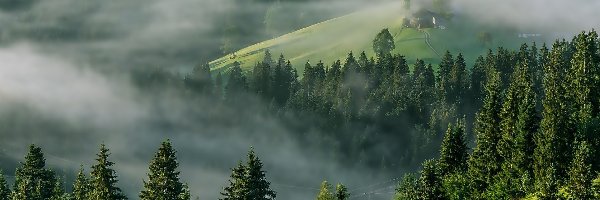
520 123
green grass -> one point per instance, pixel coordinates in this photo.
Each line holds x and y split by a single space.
333 39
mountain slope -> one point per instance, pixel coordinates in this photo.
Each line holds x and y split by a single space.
333 39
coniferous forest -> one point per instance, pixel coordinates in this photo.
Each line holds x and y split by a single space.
520 124
299 99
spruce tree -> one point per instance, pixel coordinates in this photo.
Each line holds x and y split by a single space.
444 76
104 179
248 182
163 178
519 122
579 183
430 182
553 141
32 180
258 186
4 189
584 78
58 191
453 155
325 192
81 187
483 162
408 188
237 188
236 82
341 192
458 83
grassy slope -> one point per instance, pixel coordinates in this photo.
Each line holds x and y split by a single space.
333 39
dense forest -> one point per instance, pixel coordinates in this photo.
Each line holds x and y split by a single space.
518 124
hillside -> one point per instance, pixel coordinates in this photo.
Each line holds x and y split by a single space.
333 39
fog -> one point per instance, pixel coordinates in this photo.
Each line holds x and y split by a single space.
67 63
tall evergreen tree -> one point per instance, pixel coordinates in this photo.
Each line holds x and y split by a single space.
4 189
483 162
519 122
104 179
236 82
430 187
553 142
453 155
248 181
341 192
258 186
444 75
579 183
237 184
163 178
458 82
325 192
33 181
408 188
58 191
81 187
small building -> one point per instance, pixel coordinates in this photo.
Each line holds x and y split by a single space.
426 19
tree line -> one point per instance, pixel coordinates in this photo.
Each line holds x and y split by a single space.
536 134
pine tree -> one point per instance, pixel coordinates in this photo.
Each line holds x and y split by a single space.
408 188
104 179
430 182
268 58
81 187
552 144
163 178
584 78
58 191
248 181
4 189
580 175
478 73
596 187
458 83
483 162
237 188
444 76
258 186
519 122
453 155
236 82
325 192
32 180
341 192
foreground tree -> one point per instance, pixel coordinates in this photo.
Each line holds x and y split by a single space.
32 180
325 192
579 183
453 155
4 190
81 187
408 188
248 181
104 179
341 192
483 162
163 178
